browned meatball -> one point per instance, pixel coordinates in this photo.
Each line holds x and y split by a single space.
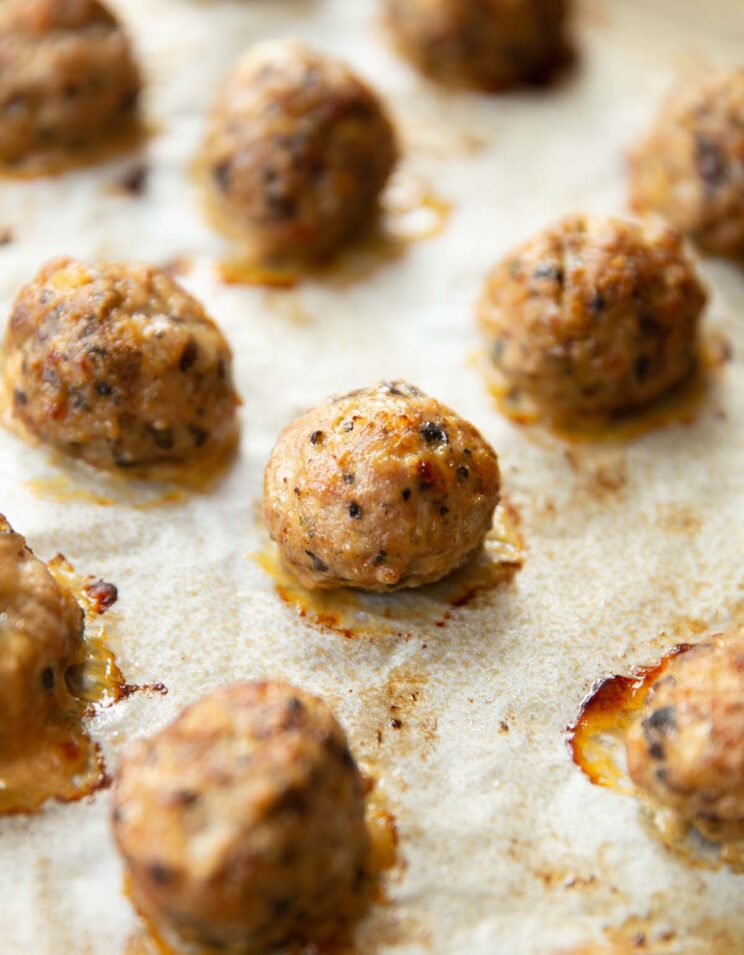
68 81
379 489
297 151
593 317
41 628
686 750
690 167
489 44
118 365
242 824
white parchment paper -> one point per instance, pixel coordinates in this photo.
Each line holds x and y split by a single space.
508 849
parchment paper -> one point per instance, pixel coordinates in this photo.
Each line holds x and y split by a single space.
507 848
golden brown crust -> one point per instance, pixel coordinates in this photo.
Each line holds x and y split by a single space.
690 167
379 489
488 44
686 750
41 628
242 823
68 82
297 152
118 365
593 317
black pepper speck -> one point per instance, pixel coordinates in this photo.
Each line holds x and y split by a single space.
433 433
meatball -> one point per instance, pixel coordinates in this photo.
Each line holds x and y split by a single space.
593 317
379 489
117 365
297 152
487 44
690 167
41 629
686 750
242 824
68 81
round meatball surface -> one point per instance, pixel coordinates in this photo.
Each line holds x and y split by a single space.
68 81
379 489
593 317
488 44
242 824
297 152
686 751
117 365
690 167
41 629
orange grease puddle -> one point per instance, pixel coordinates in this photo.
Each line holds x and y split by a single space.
383 832
597 738
57 759
597 743
141 489
352 612
681 406
410 212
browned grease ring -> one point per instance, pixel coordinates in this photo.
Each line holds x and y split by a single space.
404 203
353 613
59 760
680 406
608 710
597 743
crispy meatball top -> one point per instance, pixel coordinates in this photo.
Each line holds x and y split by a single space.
118 365
39 17
593 316
380 488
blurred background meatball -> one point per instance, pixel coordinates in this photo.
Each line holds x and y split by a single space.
117 365
297 152
68 82
690 167
488 44
41 628
378 489
686 750
242 824
593 317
